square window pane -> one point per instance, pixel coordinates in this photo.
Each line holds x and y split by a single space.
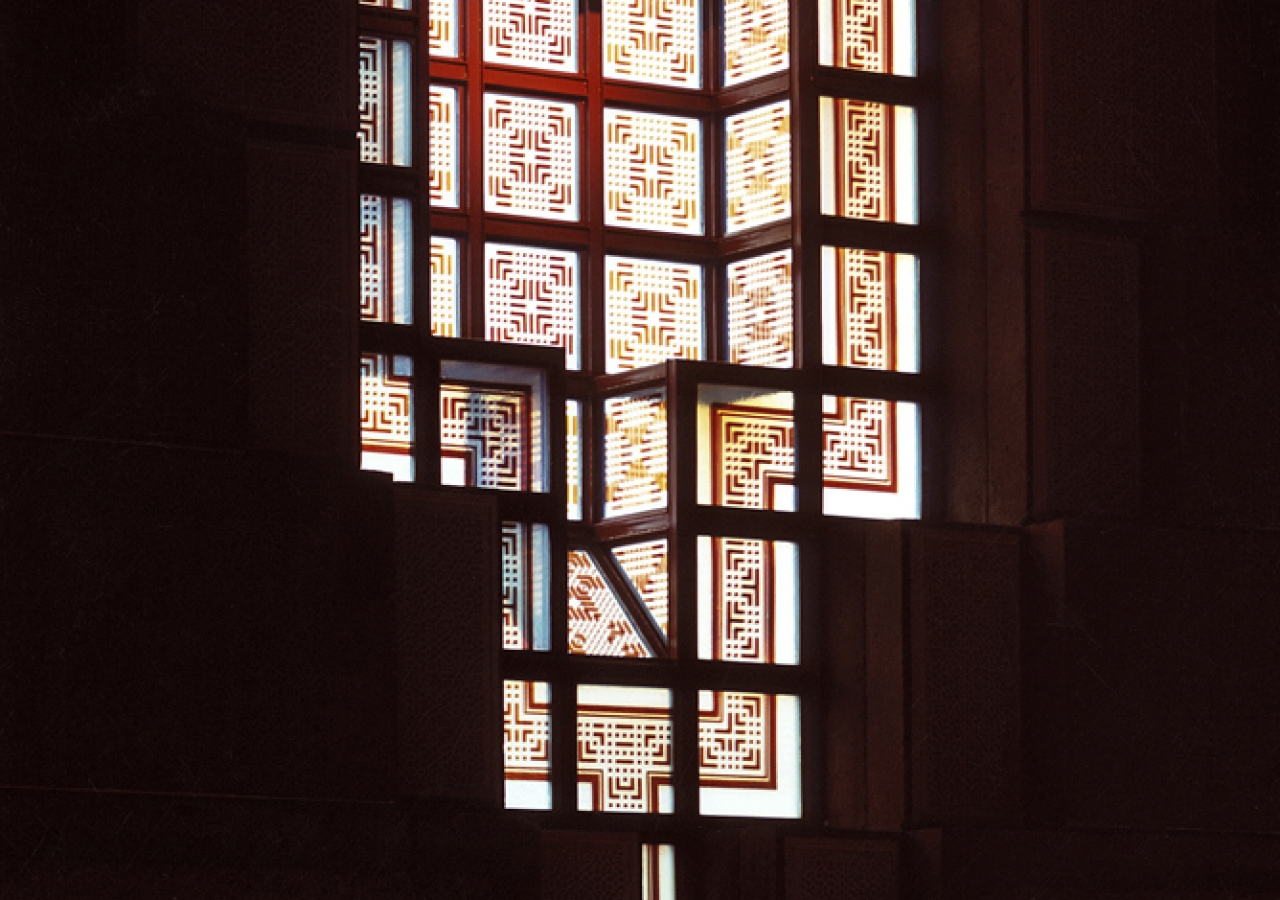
386 259
599 622
385 102
526 585
635 453
870 300
748 754
531 297
868 35
536 34
624 749
444 175
653 171
526 744
531 157
748 600
868 160
757 167
759 310
386 414
870 458
492 427
653 41
757 39
746 448
653 312
445 287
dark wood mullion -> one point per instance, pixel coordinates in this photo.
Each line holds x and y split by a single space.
854 84
471 308
592 141
682 562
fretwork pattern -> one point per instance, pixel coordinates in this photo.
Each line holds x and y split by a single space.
386 407
737 743
531 297
442 179
653 312
635 453
757 159
598 624
645 564
653 171
442 29
374 265
743 614
515 587
373 112
760 310
538 34
531 157
486 428
573 458
526 738
862 29
753 452
864 183
864 308
444 287
756 39
624 753
857 444
653 41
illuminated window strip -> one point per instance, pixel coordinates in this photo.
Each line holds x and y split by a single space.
443 177
532 297
442 29
386 414
635 453
531 157
758 167
386 259
445 287
653 42
756 39
537 34
526 744
385 102
653 171
645 565
759 306
653 312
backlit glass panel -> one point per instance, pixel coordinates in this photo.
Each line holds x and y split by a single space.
658 872
748 608
757 159
635 453
445 287
442 29
653 171
870 458
386 259
867 35
599 625
759 310
624 749
756 39
526 574
868 160
442 180
869 302
386 414
531 157
531 297
746 448
645 565
485 436
653 41
385 102
653 312
537 34
573 458
526 744
748 754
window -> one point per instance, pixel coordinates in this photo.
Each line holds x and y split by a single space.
670 316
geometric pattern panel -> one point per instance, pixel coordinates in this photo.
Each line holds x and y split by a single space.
531 157
753 454
442 28
864 308
386 404
756 39
573 458
635 453
653 312
537 34
624 749
653 41
526 743
742 616
386 259
516 598
443 175
598 624
757 158
862 35
759 305
864 183
531 297
645 565
736 745
444 287
858 444
384 101
485 436
652 171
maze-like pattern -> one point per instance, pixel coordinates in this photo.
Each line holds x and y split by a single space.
442 27
753 452
598 624
652 171
486 428
757 156
386 259
743 614
516 605
635 453
864 308
373 107
531 157
573 458
737 740
756 39
653 41
526 732
858 444
442 179
531 297
645 564
538 34
444 287
864 184
653 312
386 407
862 29
759 306
624 753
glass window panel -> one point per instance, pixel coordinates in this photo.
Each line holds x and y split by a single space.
386 259
748 600
653 312
624 749
390 4
526 744
385 101
537 34
748 754
531 297
868 35
653 41
531 157
442 27
870 458
653 171
526 574
443 177
485 435
635 453
658 871
573 458
746 448
869 304
757 160
868 160
599 624
386 414
445 287
645 565
758 300
756 39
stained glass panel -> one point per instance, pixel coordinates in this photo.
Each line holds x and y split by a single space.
386 414
445 287
756 39
653 312
531 297
537 34
598 623
645 565
870 458
525 586
385 102
652 171
759 307
443 177
658 872
757 159
746 448
749 754
869 301
868 160
386 259
748 607
442 27
485 436
635 453
624 749
526 744
531 157
653 41
867 35
573 458
390 4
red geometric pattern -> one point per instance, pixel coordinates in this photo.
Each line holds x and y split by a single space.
862 29
653 312
539 34
645 564
743 614
653 41
526 744
373 259
757 160
598 625
444 287
443 175
759 304
756 39
652 171
442 28
486 428
864 308
386 407
864 185
531 297
373 112
531 157
737 746
753 452
858 444
624 753
573 458
516 606
635 453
